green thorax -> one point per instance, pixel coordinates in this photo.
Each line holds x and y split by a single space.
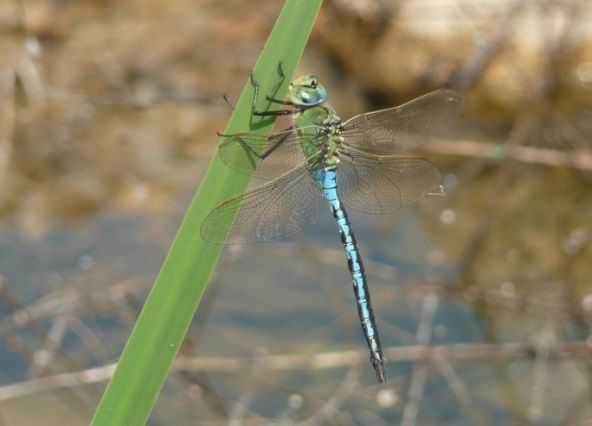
317 124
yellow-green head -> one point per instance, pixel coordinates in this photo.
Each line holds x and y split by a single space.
307 91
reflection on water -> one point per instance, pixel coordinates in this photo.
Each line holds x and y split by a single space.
105 131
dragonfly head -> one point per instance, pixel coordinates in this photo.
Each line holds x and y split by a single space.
307 91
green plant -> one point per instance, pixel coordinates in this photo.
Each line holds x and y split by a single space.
170 306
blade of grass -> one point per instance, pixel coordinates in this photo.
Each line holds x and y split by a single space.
169 308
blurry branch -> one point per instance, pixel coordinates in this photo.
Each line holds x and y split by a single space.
337 401
371 18
455 352
524 125
480 291
240 409
52 350
556 46
545 338
58 381
419 372
117 298
458 388
17 64
342 312
414 353
526 154
486 50
63 301
7 120
46 355
137 100
333 293
21 12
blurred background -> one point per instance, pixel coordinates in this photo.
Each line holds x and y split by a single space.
108 118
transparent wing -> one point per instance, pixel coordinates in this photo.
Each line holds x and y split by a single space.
383 184
243 152
404 127
275 210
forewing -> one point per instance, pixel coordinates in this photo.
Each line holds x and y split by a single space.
244 153
383 184
404 127
273 211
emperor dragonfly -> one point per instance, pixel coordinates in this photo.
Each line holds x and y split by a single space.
321 158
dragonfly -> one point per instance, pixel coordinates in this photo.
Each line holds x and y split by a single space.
321 160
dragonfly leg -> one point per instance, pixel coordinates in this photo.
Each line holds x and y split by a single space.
230 104
275 140
276 86
275 144
269 97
